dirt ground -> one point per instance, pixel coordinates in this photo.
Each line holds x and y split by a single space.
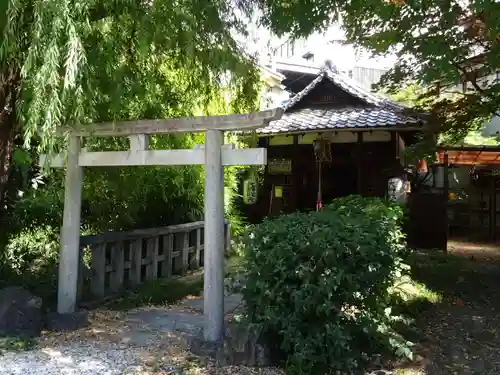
461 334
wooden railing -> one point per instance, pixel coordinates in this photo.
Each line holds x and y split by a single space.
122 260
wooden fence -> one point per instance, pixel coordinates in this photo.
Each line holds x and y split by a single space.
113 262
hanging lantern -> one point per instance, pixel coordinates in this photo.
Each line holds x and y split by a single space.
323 153
251 184
250 188
396 190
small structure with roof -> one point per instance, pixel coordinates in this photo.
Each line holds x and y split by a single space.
335 138
470 178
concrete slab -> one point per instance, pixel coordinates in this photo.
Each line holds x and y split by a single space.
146 324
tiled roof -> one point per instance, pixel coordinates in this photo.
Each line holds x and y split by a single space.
309 119
378 111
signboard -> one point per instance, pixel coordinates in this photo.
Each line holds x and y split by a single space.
279 166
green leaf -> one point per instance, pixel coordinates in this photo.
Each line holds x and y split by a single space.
21 157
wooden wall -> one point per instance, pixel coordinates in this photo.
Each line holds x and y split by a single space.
362 163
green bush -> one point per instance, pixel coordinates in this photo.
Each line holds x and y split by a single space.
30 259
32 250
318 283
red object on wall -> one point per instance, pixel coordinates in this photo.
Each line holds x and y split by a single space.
319 205
422 166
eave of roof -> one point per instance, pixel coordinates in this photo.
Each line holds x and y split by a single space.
379 112
272 72
294 67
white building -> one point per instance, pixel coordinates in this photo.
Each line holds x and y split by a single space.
331 45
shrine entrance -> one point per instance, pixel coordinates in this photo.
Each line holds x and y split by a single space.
214 155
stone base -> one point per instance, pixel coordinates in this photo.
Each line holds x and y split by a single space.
241 345
198 346
66 322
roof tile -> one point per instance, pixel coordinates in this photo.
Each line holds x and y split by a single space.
378 112
335 118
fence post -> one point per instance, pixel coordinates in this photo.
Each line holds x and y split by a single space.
81 276
195 261
117 264
168 247
185 252
98 270
152 251
135 261
127 269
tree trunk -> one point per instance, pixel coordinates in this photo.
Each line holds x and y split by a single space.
9 89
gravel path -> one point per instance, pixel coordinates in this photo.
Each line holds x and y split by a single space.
112 344
105 358
73 359
150 340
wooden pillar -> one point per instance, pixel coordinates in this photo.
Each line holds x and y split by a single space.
493 209
446 192
359 163
70 231
296 178
261 208
213 307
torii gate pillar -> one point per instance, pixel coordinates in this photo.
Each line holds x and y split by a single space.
213 294
69 258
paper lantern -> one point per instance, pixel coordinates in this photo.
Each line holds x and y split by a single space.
250 188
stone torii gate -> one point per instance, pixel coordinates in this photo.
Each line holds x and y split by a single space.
214 155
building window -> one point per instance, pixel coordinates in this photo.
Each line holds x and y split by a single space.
309 56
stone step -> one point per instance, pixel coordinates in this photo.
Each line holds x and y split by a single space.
150 321
231 303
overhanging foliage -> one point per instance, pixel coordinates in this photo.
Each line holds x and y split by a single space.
433 41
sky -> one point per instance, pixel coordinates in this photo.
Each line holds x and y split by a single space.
343 56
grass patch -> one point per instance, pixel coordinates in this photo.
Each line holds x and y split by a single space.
410 290
168 291
159 292
410 371
411 297
17 344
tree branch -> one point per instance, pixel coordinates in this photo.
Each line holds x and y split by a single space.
108 8
469 77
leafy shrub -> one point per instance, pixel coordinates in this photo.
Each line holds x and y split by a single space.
30 259
32 250
36 208
318 283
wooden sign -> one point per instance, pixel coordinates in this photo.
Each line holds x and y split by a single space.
279 166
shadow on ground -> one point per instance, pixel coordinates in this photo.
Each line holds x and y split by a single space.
460 334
